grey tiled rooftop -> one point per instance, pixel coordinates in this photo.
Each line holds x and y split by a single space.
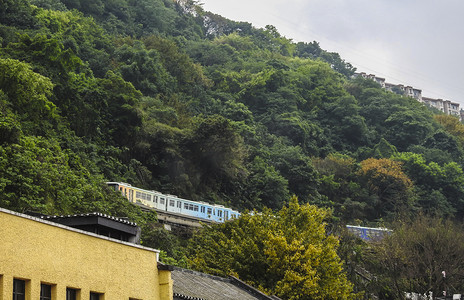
199 286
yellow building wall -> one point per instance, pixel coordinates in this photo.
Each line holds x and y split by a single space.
40 252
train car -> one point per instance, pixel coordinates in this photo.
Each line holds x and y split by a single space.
174 204
368 233
137 195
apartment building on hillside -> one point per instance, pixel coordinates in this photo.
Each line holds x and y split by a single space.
446 106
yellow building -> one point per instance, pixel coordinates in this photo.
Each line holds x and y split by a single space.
44 260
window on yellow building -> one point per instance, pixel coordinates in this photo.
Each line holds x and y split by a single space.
19 289
71 294
94 296
45 291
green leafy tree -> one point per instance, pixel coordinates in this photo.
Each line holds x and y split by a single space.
452 126
267 187
144 69
216 154
340 185
287 253
384 149
432 179
27 93
386 179
408 128
414 256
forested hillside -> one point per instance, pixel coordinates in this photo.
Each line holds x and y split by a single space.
166 96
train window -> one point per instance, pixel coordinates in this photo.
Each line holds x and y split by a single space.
195 208
226 215
202 209
190 207
179 204
172 203
162 201
210 210
220 213
155 199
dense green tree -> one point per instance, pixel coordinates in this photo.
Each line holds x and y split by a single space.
215 153
442 181
414 257
343 123
341 187
386 179
407 128
313 50
143 69
452 125
288 253
17 13
27 94
267 187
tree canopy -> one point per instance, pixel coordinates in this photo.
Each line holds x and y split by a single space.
287 253
169 97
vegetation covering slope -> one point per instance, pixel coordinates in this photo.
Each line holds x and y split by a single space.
167 96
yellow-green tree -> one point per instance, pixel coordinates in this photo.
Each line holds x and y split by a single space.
452 126
287 253
386 180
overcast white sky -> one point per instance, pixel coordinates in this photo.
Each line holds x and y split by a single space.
413 42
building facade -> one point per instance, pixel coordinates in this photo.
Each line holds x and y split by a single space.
446 106
40 259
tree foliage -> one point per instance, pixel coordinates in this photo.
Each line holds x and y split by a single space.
167 96
414 257
288 253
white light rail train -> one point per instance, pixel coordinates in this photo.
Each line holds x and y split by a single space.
174 204
369 233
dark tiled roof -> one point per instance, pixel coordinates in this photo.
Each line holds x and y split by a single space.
191 285
93 214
